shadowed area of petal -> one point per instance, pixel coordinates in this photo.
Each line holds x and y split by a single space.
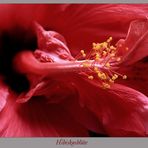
36 118
120 108
137 76
65 94
95 23
83 115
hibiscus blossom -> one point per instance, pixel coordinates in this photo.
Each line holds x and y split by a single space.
81 89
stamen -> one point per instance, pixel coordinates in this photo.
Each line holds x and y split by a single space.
109 40
102 76
103 56
83 53
114 77
96 47
112 47
86 64
97 65
90 77
104 53
96 69
107 65
97 57
111 81
124 77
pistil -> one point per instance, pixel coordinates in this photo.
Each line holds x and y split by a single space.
96 65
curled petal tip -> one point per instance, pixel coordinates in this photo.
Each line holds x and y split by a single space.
38 26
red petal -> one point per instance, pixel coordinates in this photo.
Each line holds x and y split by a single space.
118 108
136 41
36 118
56 92
24 97
131 123
53 44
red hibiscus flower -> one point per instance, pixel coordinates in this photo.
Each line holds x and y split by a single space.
70 94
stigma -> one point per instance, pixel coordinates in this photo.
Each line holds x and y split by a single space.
103 57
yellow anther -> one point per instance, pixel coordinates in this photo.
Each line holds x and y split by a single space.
114 77
82 51
124 77
86 64
111 81
105 85
98 46
94 44
97 56
118 59
107 65
102 76
112 54
97 59
90 77
112 47
104 44
99 74
109 39
84 55
104 53
96 69
108 49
